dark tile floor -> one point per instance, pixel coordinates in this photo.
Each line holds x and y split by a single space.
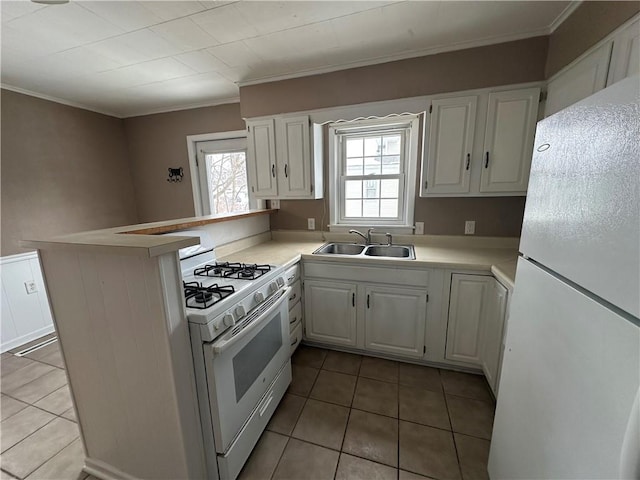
351 417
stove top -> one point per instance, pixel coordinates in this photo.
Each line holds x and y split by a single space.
201 297
241 271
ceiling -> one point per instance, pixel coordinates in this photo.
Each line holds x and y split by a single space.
127 58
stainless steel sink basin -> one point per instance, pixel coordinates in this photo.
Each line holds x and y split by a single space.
390 251
395 251
340 249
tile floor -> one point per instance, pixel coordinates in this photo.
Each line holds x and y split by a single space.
351 417
343 417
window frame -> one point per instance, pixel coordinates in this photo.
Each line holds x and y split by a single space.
409 125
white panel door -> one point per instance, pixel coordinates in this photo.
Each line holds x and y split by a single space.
493 323
570 373
467 307
451 132
294 157
330 312
579 81
625 57
395 320
508 141
261 159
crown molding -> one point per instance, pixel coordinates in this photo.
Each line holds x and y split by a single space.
559 20
178 108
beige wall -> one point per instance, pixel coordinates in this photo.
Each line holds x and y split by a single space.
63 170
157 142
502 64
586 26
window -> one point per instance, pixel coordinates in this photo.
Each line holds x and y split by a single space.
373 167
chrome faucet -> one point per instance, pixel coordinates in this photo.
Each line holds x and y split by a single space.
367 237
389 239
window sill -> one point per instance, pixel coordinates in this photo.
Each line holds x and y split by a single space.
392 229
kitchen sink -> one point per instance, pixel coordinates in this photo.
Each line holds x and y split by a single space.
406 252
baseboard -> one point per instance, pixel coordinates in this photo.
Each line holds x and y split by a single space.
16 342
105 471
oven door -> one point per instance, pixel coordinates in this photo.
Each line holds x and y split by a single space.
242 364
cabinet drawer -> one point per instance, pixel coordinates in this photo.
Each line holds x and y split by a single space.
296 337
294 296
292 274
295 316
387 275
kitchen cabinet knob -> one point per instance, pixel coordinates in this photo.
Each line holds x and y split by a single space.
468 161
273 170
486 160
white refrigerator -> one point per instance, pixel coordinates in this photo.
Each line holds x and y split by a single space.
568 405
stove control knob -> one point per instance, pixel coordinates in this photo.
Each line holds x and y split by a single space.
240 311
273 287
228 320
259 297
280 281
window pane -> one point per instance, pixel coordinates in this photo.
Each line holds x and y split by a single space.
389 188
371 189
227 179
353 208
354 147
354 166
391 145
389 208
353 189
372 166
372 146
371 208
391 164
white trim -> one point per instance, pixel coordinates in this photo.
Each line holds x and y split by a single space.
566 13
16 342
19 257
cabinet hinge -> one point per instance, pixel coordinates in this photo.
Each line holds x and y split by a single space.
430 108
543 96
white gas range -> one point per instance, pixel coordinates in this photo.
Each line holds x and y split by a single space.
239 327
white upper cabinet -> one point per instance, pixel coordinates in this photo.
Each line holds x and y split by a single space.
452 124
508 140
625 57
289 151
582 79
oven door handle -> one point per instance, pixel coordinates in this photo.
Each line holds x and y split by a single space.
222 345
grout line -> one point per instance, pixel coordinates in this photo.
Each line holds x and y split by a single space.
453 437
279 459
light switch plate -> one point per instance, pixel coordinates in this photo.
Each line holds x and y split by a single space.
311 223
30 287
419 228
470 227
275 203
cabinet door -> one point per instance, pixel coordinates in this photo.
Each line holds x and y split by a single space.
508 141
395 320
451 130
467 307
261 159
294 157
581 80
493 323
330 312
625 57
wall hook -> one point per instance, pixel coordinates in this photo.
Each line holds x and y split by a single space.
175 174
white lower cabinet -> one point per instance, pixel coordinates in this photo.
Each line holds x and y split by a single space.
395 320
330 312
491 353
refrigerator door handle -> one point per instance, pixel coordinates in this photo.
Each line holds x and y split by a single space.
630 452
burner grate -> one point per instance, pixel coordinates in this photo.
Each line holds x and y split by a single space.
198 296
241 271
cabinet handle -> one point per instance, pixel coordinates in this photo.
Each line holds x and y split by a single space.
468 161
286 170
353 299
292 297
273 170
291 322
368 305
294 342
486 160
291 278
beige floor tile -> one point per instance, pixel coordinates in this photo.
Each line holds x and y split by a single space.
379 369
265 457
354 468
376 396
40 387
70 415
302 460
40 353
10 406
471 417
24 375
424 406
309 356
465 385
19 426
286 415
67 464
54 358
420 376
474 456
342 362
428 451
404 475
322 423
26 456
303 380
56 402
334 387
9 363
373 437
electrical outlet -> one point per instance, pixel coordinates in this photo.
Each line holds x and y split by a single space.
275 203
30 286
419 228
311 223
470 227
